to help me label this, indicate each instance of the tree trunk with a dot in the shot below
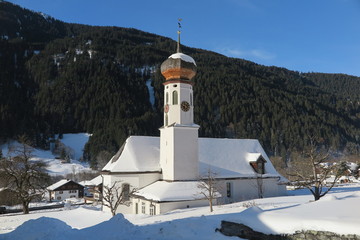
(211, 205)
(316, 193)
(25, 205)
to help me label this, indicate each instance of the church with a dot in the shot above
(165, 170)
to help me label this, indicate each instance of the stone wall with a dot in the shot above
(245, 232)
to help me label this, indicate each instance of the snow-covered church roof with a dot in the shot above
(228, 158)
(138, 154)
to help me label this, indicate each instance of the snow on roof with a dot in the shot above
(138, 154)
(86, 183)
(93, 182)
(183, 57)
(228, 158)
(163, 191)
(253, 157)
(58, 184)
(97, 180)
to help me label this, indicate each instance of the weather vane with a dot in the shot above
(178, 43)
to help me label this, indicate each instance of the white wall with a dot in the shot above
(169, 206)
(135, 180)
(161, 208)
(175, 114)
(179, 153)
(245, 189)
(186, 153)
(61, 195)
(241, 190)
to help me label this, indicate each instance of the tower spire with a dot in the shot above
(179, 32)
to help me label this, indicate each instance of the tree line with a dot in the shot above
(66, 78)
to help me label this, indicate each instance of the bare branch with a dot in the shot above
(25, 177)
(115, 195)
(311, 170)
(208, 187)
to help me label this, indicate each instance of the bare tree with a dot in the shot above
(27, 178)
(208, 187)
(115, 195)
(312, 169)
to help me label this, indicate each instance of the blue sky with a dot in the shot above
(301, 35)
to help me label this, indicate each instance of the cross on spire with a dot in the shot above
(179, 32)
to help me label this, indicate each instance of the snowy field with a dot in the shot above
(337, 212)
(74, 142)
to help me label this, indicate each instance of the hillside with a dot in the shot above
(61, 78)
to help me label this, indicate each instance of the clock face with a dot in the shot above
(185, 106)
(166, 108)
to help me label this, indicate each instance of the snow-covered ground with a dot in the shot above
(336, 212)
(151, 92)
(74, 142)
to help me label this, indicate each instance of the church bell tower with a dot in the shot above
(179, 135)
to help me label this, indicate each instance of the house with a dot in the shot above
(165, 170)
(93, 189)
(64, 189)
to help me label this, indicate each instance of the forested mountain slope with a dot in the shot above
(57, 77)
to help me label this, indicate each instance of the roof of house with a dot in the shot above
(228, 158)
(59, 184)
(93, 182)
(163, 191)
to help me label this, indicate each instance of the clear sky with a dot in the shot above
(302, 35)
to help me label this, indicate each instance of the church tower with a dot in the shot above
(179, 135)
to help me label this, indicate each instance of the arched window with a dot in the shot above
(167, 98)
(166, 120)
(126, 191)
(174, 98)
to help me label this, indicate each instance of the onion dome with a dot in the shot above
(178, 66)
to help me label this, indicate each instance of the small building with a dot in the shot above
(93, 189)
(64, 189)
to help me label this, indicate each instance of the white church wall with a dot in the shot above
(186, 153)
(274, 189)
(184, 93)
(142, 206)
(135, 181)
(148, 178)
(169, 206)
(174, 110)
(179, 153)
(245, 189)
(166, 153)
